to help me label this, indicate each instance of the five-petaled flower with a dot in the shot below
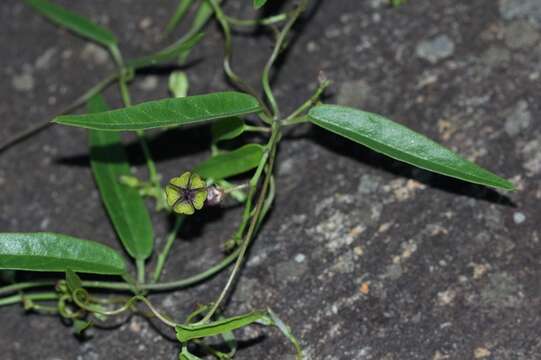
(186, 193)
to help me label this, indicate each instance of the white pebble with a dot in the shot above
(519, 218)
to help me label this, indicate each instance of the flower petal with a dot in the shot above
(182, 181)
(199, 199)
(184, 207)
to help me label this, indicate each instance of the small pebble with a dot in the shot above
(23, 82)
(300, 258)
(435, 49)
(519, 218)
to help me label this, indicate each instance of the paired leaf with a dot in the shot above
(57, 252)
(167, 112)
(259, 3)
(124, 205)
(169, 53)
(231, 163)
(400, 143)
(196, 331)
(74, 22)
(227, 129)
(181, 10)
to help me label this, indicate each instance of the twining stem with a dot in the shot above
(272, 146)
(25, 285)
(124, 286)
(126, 98)
(295, 118)
(261, 129)
(81, 100)
(167, 248)
(15, 299)
(228, 49)
(140, 265)
(271, 20)
(265, 77)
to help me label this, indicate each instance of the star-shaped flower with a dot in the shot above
(186, 193)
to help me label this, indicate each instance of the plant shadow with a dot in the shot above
(164, 145)
(346, 148)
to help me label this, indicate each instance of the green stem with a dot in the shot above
(140, 264)
(126, 98)
(295, 118)
(14, 299)
(165, 286)
(117, 56)
(261, 129)
(26, 285)
(271, 20)
(124, 286)
(165, 252)
(273, 144)
(265, 77)
(81, 100)
(235, 79)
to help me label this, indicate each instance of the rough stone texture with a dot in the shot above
(435, 49)
(364, 257)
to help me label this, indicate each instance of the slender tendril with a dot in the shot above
(271, 20)
(81, 100)
(272, 146)
(168, 244)
(278, 47)
(228, 50)
(295, 116)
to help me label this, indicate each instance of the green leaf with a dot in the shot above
(286, 331)
(259, 3)
(57, 252)
(231, 163)
(167, 54)
(167, 112)
(73, 281)
(74, 22)
(79, 326)
(227, 129)
(179, 84)
(202, 16)
(400, 143)
(181, 10)
(124, 205)
(196, 331)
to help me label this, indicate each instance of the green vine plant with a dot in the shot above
(231, 113)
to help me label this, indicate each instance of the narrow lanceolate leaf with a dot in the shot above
(124, 205)
(201, 17)
(74, 22)
(259, 3)
(57, 252)
(167, 112)
(181, 10)
(169, 53)
(400, 143)
(196, 331)
(227, 129)
(231, 163)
